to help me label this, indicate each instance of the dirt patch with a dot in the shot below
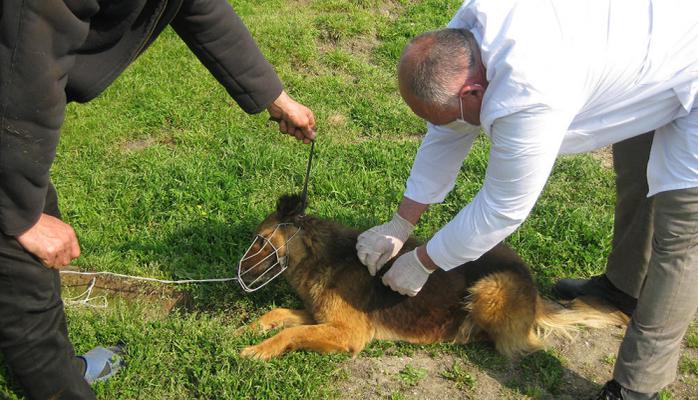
(385, 376)
(167, 297)
(337, 120)
(605, 156)
(142, 144)
(567, 370)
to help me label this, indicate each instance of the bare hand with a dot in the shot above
(294, 118)
(51, 240)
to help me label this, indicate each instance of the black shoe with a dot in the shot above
(599, 287)
(612, 390)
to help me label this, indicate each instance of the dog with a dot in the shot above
(492, 298)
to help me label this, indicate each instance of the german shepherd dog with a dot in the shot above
(493, 298)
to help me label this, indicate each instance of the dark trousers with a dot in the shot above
(33, 334)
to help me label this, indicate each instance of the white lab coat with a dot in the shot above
(565, 76)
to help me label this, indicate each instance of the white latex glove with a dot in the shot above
(379, 244)
(407, 275)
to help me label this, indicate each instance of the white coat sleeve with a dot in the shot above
(523, 151)
(438, 161)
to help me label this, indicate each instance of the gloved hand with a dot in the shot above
(379, 244)
(407, 275)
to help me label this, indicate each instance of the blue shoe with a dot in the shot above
(102, 363)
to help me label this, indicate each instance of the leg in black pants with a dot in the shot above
(33, 333)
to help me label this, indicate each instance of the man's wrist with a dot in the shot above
(402, 226)
(278, 104)
(411, 210)
(424, 258)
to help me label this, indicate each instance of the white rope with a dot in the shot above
(143, 278)
(85, 299)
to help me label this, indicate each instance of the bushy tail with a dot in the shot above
(562, 320)
(512, 314)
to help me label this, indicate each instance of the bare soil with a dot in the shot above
(605, 156)
(586, 364)
(166, 296)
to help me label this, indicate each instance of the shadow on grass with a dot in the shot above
(540, 375)
(203, 249)
(210, 250)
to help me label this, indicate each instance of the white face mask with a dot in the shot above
(460, 104)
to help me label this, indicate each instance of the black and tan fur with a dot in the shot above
(492, 298)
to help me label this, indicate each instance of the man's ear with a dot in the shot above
(471, 89)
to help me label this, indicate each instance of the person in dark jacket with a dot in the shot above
(54, 52)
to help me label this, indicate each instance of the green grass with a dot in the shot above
(411, 376)
(541, 372)
(460, 375)
(163, 176)
(688, 365)
(692, 337)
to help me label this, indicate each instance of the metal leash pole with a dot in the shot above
(304, 196)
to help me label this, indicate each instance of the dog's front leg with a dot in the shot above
(323, 338)
(281, 318)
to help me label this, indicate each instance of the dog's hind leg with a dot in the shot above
(468, 331)
(323, 338)
(281, 318)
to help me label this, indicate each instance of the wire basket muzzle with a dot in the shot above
(264, 262)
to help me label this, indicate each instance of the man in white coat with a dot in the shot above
(544, 78)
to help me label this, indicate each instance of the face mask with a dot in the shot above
(460, 104)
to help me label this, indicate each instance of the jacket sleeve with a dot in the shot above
(37, 43)
(218, 37)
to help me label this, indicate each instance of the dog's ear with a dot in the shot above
(289, 206)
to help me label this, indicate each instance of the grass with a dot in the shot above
(692, 337)
(460, 375)
(540, 372)
(163, 176)
(411, 375)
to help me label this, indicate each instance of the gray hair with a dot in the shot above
(433, 60)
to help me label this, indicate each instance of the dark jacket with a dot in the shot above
(53, 52)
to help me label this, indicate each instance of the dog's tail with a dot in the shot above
(562, 320)
(518, 320)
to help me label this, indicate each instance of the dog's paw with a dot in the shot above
(259, 352)
(241, 330)
(250, 328)
(257, 327)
